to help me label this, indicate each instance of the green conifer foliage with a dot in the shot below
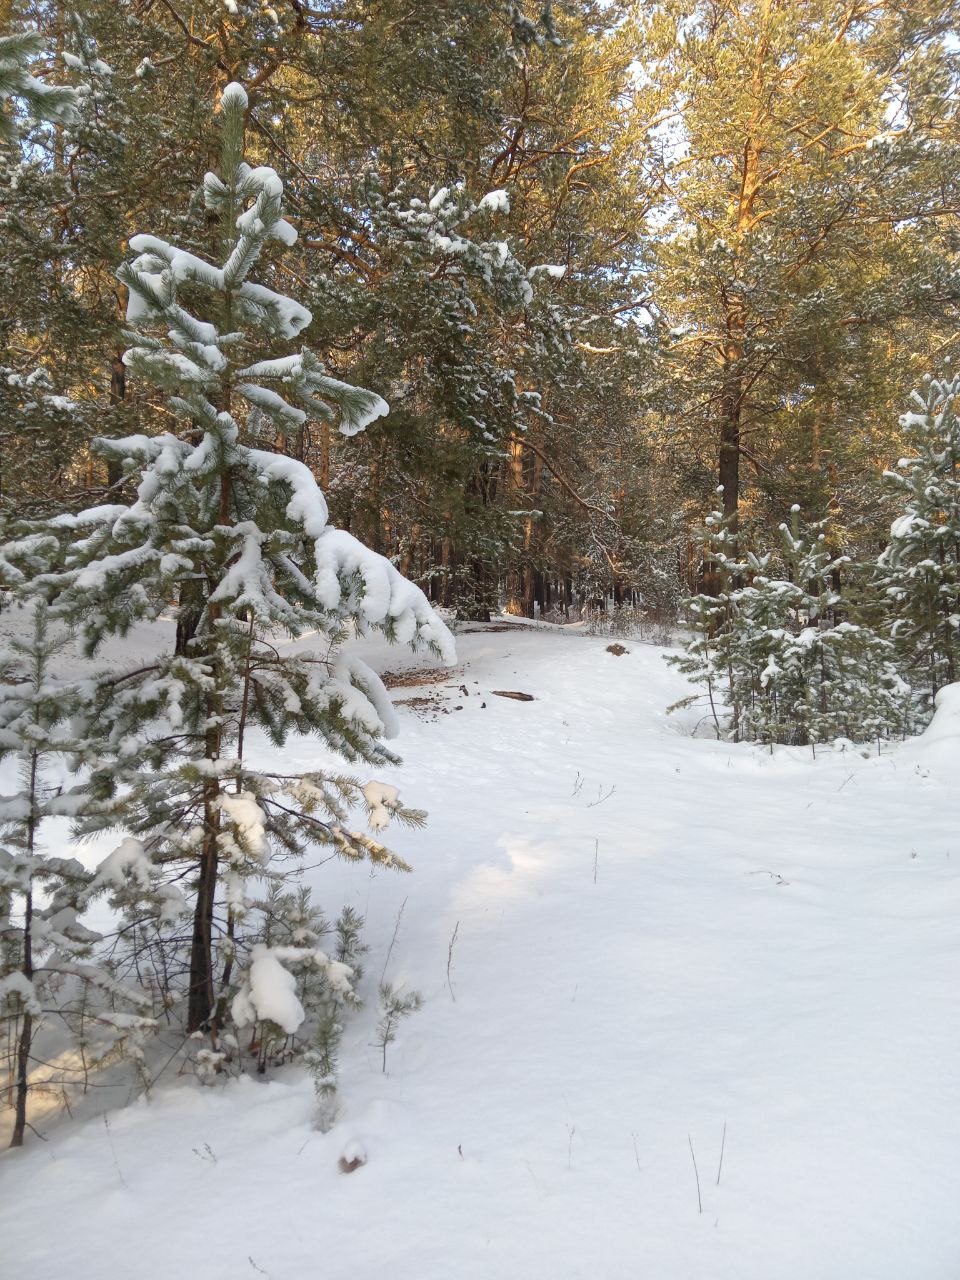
(777, 652)
(20, 88)
(235, 539)
(920, 568)
(48, 970)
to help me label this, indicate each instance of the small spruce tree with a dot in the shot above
(777, 651)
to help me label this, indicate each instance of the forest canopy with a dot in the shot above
(598, 258)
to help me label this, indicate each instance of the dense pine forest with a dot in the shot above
(600, 260)
(357, 356)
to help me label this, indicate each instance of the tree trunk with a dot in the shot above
(118, 393)
(324, 456)
(734, 369)
(409, 551)
(188, 614)
(26, 1036)
(528, 590)
(446, 564)
(728, 472)
(200, 1001)
(26, 1029)
(516, 605)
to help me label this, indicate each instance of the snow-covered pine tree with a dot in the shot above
(778, 642)
(237, 538)
(47, 966)
(834, 676)
(328, 1005)
(920, 567)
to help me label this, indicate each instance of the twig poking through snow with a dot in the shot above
(636, 1153)
(723, 1143)
(596, 857)
(601, 796)
(571, 1129)
(453, 938)
(106, 1125)
(396, 930)
(696, 1174)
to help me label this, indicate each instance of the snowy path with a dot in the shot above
(770, 944)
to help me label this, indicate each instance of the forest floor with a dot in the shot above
(665, 949)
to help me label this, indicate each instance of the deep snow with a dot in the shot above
(657, 936)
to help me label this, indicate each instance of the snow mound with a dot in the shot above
(945, 725)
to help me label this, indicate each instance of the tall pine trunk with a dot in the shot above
(25, 1042)
(200, 1003)
(735, 373)
(201, 999)
(26, 1036)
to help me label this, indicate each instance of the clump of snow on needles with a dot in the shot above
(270, 994)
(382, 800)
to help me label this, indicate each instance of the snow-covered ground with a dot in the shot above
(659, 939)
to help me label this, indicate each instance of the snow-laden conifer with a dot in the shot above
(920, 567)
(234, 540)
(777, 649)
